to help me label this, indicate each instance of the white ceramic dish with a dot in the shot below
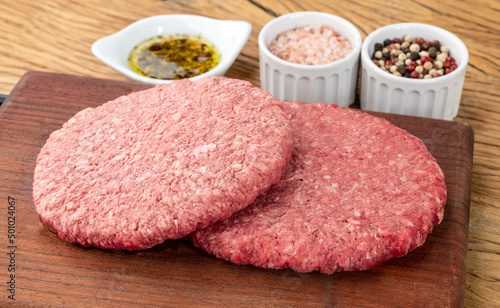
(228, 36)
(437, 98)
(332, 83)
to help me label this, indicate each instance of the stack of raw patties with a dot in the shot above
(246, 177)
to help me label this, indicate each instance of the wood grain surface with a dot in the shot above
(175, 273)
(56, 35)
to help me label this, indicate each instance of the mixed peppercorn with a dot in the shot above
(414, 58)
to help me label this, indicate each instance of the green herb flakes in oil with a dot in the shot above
(173, 57)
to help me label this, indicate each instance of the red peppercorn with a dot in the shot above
(447, 70)
(429, 42)
(388, 63)
(398, 40)
(437, 42)
(391, 47)
(437, 75)
(414, 74)
(394, 60)
(450, 59)
(410, 68)
(375, 61)
(419, 41)
(414, 63)
(425, 59)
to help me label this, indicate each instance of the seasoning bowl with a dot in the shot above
(227, 36)
(437, 98)
(331, 83)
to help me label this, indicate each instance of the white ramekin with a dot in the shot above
(332, 83)
(227, 36)
(437, 98)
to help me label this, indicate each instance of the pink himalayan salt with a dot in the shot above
(311, 45)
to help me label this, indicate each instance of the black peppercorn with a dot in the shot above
(406, 50)
(378, 46)
(386, 55)
(387, 42)
(415, 56)
(402, 69)
(432, 52)
(436, 45)
(424, 46)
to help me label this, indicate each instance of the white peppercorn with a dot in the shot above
(409, 38)
(442, 57)
(414, 48)
(445, 49)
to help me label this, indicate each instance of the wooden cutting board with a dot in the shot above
(49, 271)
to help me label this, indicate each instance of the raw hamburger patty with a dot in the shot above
(157, 164)
(357, 191)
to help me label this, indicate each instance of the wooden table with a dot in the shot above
(56, 35)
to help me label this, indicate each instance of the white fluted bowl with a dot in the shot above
(332, 83)
(437, 98)
(227, 36)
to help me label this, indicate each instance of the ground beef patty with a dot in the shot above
(357, 191)
(157, 164)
